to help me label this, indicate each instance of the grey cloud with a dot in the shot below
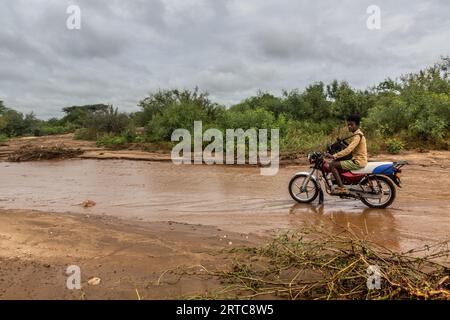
(290, 46)
(231, 48)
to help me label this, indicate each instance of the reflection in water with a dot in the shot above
(372, 224)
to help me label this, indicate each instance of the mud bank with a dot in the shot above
(131, 259)
(438, 159)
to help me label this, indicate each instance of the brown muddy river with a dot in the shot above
(230, 197)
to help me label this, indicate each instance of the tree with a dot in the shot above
(433, 79)
(263, 100)
(108, 120)
(316, 103)
(175, 116)
(347, 101)
(2, 107)
(157, 102)
(77, 115)
(12, 123)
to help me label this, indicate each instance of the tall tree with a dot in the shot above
(2, 107)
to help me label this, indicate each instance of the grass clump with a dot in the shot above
(315, 265)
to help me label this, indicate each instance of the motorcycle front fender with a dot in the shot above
(313, 177)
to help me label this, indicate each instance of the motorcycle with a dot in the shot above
(373, 185)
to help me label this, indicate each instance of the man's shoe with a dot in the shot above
(339, 190)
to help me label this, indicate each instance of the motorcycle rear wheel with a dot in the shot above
(387, 188)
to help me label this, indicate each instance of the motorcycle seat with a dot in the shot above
(376, 168)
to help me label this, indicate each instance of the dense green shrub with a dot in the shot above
(77, 115)
(390, 115)
(156, 103)
(305, 136)
(175, 116)
(394, 145)
(47, 130)
(418, 109)
(246, 119)
(111, 141)
(105, 121)
(85, 134)
(15, 124)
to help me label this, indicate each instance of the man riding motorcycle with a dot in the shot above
(358, 151)
(349, 175)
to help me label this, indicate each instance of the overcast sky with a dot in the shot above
(230, 48)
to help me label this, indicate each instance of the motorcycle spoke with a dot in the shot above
(302, 191)
(383, 191)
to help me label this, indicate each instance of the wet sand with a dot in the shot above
(150, 217)
(132, 260)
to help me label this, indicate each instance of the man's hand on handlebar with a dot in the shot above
(328, 156)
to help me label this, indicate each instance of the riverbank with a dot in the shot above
(424, 158)
(131, 258)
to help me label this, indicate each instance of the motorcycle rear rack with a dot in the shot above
(399, 164)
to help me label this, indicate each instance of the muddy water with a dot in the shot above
(229, 197)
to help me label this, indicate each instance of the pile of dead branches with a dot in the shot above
(316, 265)
(33, 152)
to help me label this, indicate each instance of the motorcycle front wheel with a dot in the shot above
(306, 195)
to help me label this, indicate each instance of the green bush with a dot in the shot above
(262, 100)
(78, 115)
(394, 145)
(432, 121)
(175, 116)
(250, 118)
(111, 141)
(157, 104)
(3, 138)
(139, 139)
(389, 116)
(85, 134)
(47, 130)
(304, 136)
(15, 124)
(107, 121)
(129, 134)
